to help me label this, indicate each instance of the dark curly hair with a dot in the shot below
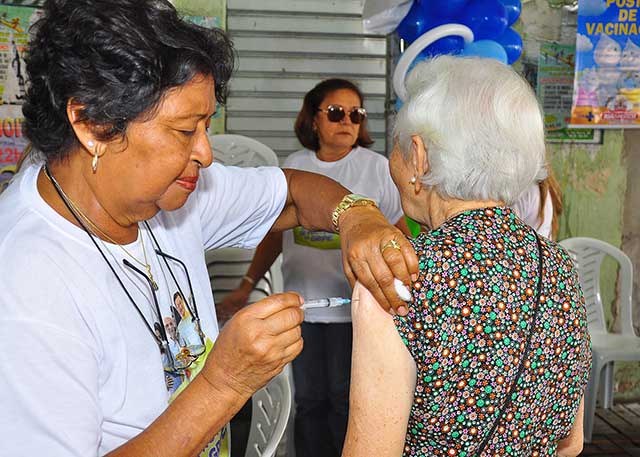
(312, 100)
(116, 59)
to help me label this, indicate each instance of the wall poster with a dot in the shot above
(607, 75)
(14, 39)
(556, 67)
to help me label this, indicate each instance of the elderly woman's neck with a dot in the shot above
(441, 209)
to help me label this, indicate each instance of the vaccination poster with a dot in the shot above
(14, 39)
(607, 77)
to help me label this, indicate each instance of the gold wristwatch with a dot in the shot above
(349, 201)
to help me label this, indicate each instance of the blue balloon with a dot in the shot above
(512, 43)
(486, 18)
(414, 24)
(514, 8)
(447, 45)
(443, 8)
(485, 48)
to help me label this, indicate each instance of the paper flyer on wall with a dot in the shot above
(556, 70)
(14, 39)
(607, 76)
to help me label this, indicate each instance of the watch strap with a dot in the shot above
(347, 202)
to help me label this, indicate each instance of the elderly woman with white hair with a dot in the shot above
(494, 354)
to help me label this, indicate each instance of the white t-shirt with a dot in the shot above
(527, 208)
(312, 261)
(81, 373)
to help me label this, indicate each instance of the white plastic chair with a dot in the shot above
(607, 347)
(242, 151)
(227, 267)
(271, 405)
(270, 409)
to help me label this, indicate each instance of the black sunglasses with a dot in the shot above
(335, 113)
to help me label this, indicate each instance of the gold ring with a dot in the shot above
(393, 244)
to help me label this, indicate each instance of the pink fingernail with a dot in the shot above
(403, 311)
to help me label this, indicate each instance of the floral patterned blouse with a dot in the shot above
(467, 328)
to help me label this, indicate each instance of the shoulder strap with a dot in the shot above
(525, 353)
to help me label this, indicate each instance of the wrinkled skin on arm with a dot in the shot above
(383, 378)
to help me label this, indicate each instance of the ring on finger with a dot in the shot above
(392, 243)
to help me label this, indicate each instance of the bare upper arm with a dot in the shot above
(383, 377)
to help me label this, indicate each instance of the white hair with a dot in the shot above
(481, 124)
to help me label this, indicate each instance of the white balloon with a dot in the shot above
(417, 46)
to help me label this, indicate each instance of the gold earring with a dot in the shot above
(413, 180)
(94, 162)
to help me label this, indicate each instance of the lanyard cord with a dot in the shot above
(194, 311)
(525, 353)
(161, 342)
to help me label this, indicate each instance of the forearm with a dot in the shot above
(188, 424)
(314, 200)
(266, 253)
(310, 202)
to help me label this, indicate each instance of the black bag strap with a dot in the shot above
(525, 353)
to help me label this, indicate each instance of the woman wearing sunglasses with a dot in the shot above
(332, 127)
(103, 232)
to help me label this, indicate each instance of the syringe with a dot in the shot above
(330, 302)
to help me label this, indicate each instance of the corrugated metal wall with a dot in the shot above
(285, 47)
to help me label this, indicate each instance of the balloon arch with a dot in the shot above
(463, 27)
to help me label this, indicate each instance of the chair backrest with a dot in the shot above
(242, 151)
(270, 409)
(588, 254)
(227, 266)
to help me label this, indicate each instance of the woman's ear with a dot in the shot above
(419, 160)
(80, 127)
